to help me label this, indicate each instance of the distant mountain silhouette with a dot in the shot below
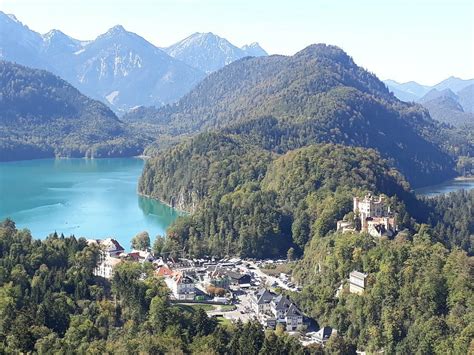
(209, 52)
(412, 91)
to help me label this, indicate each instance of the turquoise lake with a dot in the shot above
(88, 198)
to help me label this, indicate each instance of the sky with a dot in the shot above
(421, 40)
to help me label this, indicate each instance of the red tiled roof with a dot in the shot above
(164, 271)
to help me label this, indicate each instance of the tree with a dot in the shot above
(141, 241)
(290, 255)
(158, 245)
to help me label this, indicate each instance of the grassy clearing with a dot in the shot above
(275, 270)
(224, 322)
(194, 307)
(228, 307)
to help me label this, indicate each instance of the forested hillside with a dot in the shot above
(318, 95)
(43, 116)
(246, 201)
(418, 298)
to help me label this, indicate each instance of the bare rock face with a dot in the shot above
(185, 201)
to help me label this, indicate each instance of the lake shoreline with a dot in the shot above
(448, 186)
(140, 156)
(163, 202)
(95, 198)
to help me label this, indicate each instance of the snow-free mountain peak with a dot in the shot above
(254, 50)
(413, 91)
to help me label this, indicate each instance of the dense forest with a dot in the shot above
(42, 116)
(50, 303)
(248, 202)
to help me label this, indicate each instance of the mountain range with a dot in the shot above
(319, 95)
(413, 91)
(446, 106)
(450, 101)
(119, 67)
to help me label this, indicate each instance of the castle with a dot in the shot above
(375, 217)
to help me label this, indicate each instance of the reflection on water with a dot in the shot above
(446, 187)
(151, 207)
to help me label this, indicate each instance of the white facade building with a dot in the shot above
(109, 256)
(375, 217)
(106, 267)
(183, 287)
(357, 282)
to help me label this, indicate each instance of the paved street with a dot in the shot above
(266, 278)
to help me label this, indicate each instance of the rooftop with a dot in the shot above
(358, 274)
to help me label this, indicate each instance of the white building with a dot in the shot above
(106, 267)
(272, 310)
(109, 246)
(357, 282)
(293, 318)
(261, 301)
(320, 337)
(182, 286)
(370, 206)
(109, 256)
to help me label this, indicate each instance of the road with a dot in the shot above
(270, 279)
(243, 310)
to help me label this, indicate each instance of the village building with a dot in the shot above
(216, 277)
(105, 268)
(224, 278)
(182, 286)
(272, 310)
(109, 258)
(164, 271)
(323, 334)
(261, 301)
(140, 256)
(108, 246)
(238, 279)
(357, 282)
